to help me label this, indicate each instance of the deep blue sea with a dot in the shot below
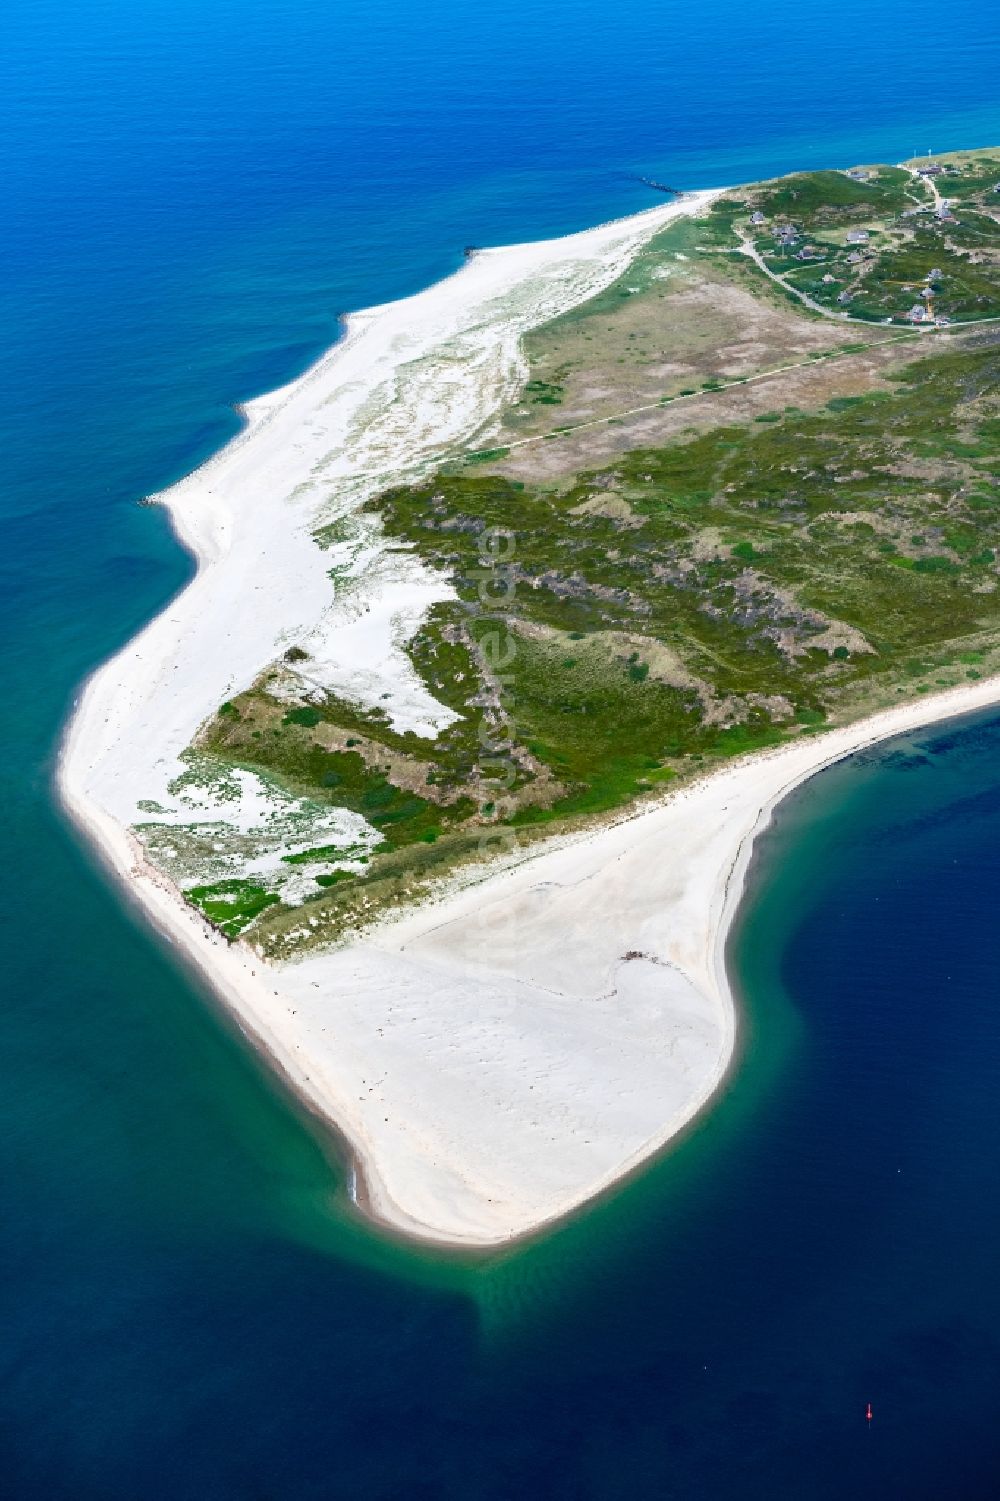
(191, 194)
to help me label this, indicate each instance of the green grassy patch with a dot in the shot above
(231, 905)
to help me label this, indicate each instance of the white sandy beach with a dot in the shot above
(499, 1057)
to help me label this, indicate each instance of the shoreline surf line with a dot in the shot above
(488, 1079)
(119, 716)
(749, 792)
(226, 971)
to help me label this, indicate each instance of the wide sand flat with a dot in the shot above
(495, 1059)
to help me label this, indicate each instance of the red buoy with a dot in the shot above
(868, 1414)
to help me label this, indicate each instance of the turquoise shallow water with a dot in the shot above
(192, 195)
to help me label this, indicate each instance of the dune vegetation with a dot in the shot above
(716, 518)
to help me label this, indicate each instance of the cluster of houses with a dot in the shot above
(934, 170)
(923, 311)
(942, 212)
(787, 236)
